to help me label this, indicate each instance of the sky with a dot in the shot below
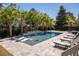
(50, 8)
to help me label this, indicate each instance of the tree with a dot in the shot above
(71, 15)
(64, 19)
(23, 17)
(76, 24)
(78, 16)
(33, 10)
(61, 18)
(33, 14)
(70, 20)
(11, 17)
(1, 5)
(12, 5)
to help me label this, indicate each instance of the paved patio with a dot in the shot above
(45, 48)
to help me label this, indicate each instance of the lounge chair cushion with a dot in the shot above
(70, 37)
(62, 44)
(66, 39)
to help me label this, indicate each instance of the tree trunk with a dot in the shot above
(10, 27)
(21, 29)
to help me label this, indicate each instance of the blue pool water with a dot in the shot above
(40, 36)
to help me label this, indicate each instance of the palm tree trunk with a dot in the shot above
(10, 28)
(21, 28)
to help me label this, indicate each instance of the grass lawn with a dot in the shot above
(4, 52)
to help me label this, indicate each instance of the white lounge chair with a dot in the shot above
(25, 39)
(20, 38)
(66, 39)
(71, 35)
(69, 38)
(62, 44)
(66, 44)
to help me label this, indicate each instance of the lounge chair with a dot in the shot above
(25, 39)
(20, 38)
(62, 44)
(72, 35)
(69, 38)
(66, 44)
(66, 39)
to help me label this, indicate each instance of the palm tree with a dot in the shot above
(11, 14)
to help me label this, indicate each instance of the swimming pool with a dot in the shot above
(36, 37)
